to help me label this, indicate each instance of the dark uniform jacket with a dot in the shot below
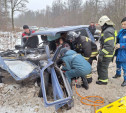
(107, 42)
(86, 47)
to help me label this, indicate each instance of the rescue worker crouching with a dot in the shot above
(107, 51)
(84, 46)
(74, 65)
(29, 42)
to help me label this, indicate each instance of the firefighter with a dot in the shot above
(107, 51)
(85, 47)
(121, 52)
(29, 42)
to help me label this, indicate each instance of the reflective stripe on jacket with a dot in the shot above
(108, 41)
(86, 47)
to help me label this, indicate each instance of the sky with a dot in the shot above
(38, 4)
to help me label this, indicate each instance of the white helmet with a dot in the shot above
(105, 19)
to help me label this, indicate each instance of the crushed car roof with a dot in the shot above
(54, 31)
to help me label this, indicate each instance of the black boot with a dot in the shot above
(85, 83)
(123, 84)
(89, 80)
(1, 79)
(101, 83)
(116, 76)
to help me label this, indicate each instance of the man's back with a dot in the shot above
(76, 61)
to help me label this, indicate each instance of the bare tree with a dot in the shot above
(17, 5)
(75, 12)
(4, 14)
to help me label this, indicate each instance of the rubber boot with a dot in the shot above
(1, 79)
(123, 84)
(101, 83)
(116, 76)
(85, 83)
(89, 80)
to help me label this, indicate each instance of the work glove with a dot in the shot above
(117, 46)
(100, 58)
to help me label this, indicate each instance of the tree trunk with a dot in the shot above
(5, 2)
(12, 19)
(124, 7)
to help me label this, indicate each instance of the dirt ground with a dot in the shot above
(15, 98)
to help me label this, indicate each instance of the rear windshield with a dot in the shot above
(83, 32)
